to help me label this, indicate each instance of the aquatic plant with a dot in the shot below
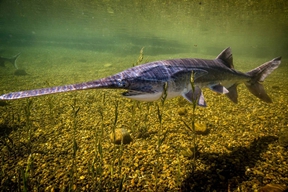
(194, 104)
(100, 110)
(192, 127)
(160, 135)
(133, 118)
(140, 129)
(27, 173)
(104, 98)
(75, 111)
(117, 152)
(116, 104)
(12, 115)
(6, 127)
(96, 166)
(2, 171)
(50, 101)
(27, 110)
(115, 119)
(122, 180)
(8, 117)
(134, 102)
(179, 173)
(75, 148)
(113, 136)
(143, 130)
(140, 58)
(10, 146)
(120, 161)
(18, 117)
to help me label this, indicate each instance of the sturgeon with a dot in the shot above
(147, 82)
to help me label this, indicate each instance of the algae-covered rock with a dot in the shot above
(187, 152)
(283, 137)
(119, 135)
(182, 111)
(201, 129)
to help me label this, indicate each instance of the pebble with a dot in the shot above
(201, 129)
(119, 135)
(182, 111)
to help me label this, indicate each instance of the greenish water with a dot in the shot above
(251, 28)
(64, 42)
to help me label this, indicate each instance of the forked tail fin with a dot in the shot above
(13, 60)
(258, 75)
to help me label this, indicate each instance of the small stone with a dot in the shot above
(201, 129)
(186, 152)
(182, 111)
(119, 135)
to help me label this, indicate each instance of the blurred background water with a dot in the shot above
(251, 28)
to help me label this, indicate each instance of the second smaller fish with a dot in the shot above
(10, 60)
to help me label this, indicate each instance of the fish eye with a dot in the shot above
(123, 83)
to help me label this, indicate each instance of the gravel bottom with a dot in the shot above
(46, 146)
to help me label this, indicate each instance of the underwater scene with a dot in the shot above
(105, 139)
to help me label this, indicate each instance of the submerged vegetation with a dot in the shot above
(61, 142)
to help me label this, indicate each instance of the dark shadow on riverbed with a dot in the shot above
(227, 170)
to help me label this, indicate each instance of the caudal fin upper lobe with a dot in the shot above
(257, 77)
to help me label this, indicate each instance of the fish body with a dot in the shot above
(10, 60)
(149, 81)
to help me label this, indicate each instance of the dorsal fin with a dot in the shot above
(226, 56)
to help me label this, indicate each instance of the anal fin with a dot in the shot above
(233, 95)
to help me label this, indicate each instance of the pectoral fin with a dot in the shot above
(219, 89)
(196, 95)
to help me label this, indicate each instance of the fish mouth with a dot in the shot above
(142, 95)
(132, 93)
